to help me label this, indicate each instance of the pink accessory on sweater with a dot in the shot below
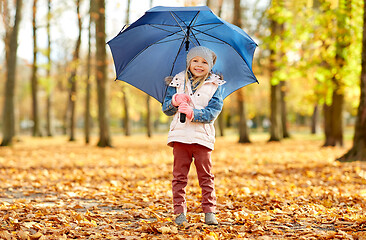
(180, 98)
(186, 109)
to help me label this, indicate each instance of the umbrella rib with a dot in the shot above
(206, 24)
(156, 26)
(224, 43)
(194, 28)
(218, 25)
(194, 19)
(171, 13)
(159, 24)
(182, 43)
(172, 33)
(205, 40)
(172, 40)
(142, 52)
(179, 32)
(186, 34)
(194, 42)
(190, 39)
(175, 59)
(160, 28)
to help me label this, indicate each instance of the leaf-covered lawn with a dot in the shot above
(54, 189)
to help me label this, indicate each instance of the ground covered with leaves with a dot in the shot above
(55, 189)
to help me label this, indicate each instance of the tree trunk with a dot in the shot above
(314, 120)
(72, 78)
(127, 19)
(283, 90)
(87, 117)
(221, 123)
(334, 136)
(126, 115)
(327, 124)
(276, 131)
(316, 4)
(243, 127)
(49, 126)
(148, 117)
(101, 76)
(11, 47)
(333, 121)
(49, 117)
(237, 13)
(125, 102)
(208, 3)
(221, 117)
(148, 107)
(276, 123)
(219, 13)
(283, 87)
(358, 150)
(66, 115)
(34, 78)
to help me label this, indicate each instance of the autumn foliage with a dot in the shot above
(54, 189)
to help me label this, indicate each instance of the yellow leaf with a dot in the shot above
(212, 235)
(23, 235)
(165, 230)
(209, 237)
(36, 236)
(264, 218)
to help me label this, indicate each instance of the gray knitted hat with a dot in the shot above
(203, 52)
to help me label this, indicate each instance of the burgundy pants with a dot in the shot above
(183, 155)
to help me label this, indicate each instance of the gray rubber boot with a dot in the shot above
(210, 219)
(180, 219)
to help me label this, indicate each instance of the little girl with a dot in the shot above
(195, 92)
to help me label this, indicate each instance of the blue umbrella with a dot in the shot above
(156, 46)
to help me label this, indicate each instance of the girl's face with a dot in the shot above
(199, 66)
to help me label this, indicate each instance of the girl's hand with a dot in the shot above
(186, 109)
(180, 98)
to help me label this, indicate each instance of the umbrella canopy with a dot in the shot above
(156, 46)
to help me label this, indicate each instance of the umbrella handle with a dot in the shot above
(182, 117)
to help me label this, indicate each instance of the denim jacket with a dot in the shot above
(206, 115)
